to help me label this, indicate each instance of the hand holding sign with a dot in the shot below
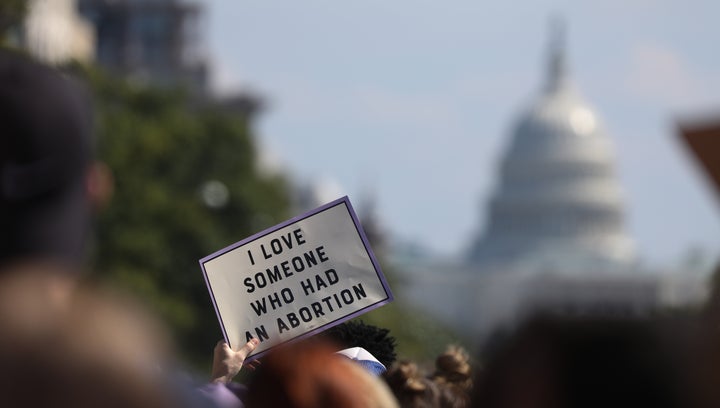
(228, 362)
(295, 279)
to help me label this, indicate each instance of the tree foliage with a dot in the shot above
(12, 13)
(162, 149)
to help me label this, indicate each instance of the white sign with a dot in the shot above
(295, 279)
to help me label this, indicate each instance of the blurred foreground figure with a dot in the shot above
(95, 351)
(45, 164)
(448, 387)
(61, 345)
(48, 181)
(568, 363)
(311, 375)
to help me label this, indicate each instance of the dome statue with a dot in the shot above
(557, 204)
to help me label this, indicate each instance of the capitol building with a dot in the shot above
(555, 239)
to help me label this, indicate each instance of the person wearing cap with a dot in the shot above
(45, 171)
(45, 167)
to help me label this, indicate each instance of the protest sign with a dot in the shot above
(295, 279)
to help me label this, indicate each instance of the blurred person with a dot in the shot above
(311, 375)
(448, 387)
(411, 388)
(94, 345)
(592, 362)
(59, 345)
(97, 350)
(705, 355)
(49, 185)
(45, 164)
(453, 368)
(48, 180)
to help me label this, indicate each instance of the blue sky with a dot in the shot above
(416, 99)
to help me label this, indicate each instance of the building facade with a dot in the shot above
(557, 202)
(555, 239)
(153, 41)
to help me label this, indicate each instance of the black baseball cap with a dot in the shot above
(45, 152)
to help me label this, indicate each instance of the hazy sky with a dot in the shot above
(416, 99)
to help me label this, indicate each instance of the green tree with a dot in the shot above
(186, 185)
(12, 13)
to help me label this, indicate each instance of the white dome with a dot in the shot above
(557, 198)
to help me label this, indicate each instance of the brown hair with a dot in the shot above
(310, 375)
(448, 387)
(453, 367)
(411, 388)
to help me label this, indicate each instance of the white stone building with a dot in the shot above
(555, 239)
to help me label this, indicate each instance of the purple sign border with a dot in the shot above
(343, 200)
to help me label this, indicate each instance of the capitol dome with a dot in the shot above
(558, 203)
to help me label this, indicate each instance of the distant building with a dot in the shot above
(54, 33)
(557, 202)
(160, 42)
(154, 41)
(555, 239)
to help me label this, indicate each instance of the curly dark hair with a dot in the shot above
(377, 341)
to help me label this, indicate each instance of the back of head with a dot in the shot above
(598, 362)
(453, 368)
(311, 375)
(45, 150)
(413, 389)
(96, 350)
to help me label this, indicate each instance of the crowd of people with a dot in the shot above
(66, 344)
